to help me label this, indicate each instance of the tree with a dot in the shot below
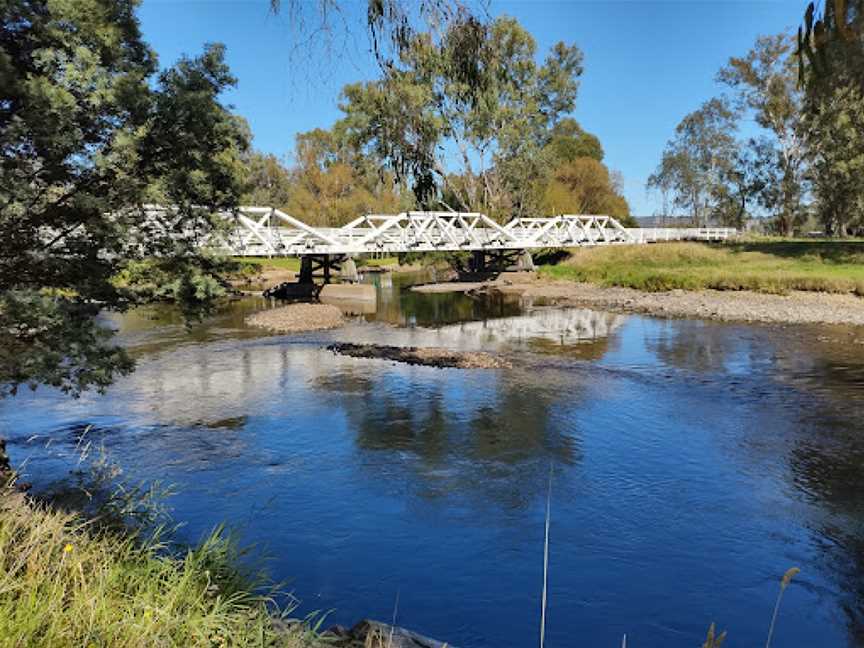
(836, 143)
(831, 60)
(474, 96)
(697, 161)
(88, 136)
(585, 186)
(831, 47)
(764, 86)
(391, 25)
(567, 141)
(333, 183)
(268, 182)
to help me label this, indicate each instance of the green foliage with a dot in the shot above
(831, 59)
(55, 341)
(831, 47)
(765, 88)
(770, 267)
(584, 186)
(268, 182)
(836, 136)
(65, 582)
(567, 141)
(334, 183)
(87, 136)
(697, 161)
(474, 89)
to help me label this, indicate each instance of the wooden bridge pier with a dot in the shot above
(500, 260)
(327, 263)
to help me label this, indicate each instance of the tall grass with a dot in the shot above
(66, 582)
(771, 267)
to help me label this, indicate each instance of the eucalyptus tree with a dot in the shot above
(698, 160)
(830, 48)
(764, 87)
(831, 59)
(467, 112)
(90, 132)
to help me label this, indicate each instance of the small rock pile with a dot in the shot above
(427, 356)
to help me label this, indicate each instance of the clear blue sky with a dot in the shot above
(647, 64)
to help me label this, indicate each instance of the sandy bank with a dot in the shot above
(797, 307)
(297, 317)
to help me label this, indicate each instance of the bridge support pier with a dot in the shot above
(500, 260)
(310, 263)
(525, 262)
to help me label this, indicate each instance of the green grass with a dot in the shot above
(771, 266)
(293, 263)
(65, 582)
(275, 263)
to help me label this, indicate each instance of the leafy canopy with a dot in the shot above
(88, 134)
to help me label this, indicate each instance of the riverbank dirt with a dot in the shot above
(296, 318)
(796, 307)
(426, 356)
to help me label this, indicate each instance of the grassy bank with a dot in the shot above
(64, 582)
(774, 266)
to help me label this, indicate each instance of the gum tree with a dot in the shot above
(764, 87)
(467, 112)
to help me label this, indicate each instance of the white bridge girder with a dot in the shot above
(267, 231)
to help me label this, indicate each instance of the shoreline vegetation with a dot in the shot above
(69, 579)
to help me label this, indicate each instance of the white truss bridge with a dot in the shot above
(266, 231)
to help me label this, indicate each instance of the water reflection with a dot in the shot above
(494, 441)
(692, 462)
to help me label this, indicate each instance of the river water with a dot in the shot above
(691, 464)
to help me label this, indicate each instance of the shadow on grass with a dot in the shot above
(827, 251)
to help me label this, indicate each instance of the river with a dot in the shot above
(691, 464)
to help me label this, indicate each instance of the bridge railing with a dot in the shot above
(659, 234)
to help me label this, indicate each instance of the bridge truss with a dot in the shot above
(266, 231)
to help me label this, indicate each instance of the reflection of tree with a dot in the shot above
(499, 449)
(827, 362)
(694, 346)
(827, 463)
(827, 469)
(398, 304)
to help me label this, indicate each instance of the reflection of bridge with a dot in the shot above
(562, 326)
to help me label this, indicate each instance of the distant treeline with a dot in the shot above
(803, 168)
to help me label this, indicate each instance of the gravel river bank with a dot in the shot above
(797, 307)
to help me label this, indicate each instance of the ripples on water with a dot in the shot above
(693, 464)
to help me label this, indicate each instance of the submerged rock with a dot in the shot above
(427, 356)
(374, 634)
